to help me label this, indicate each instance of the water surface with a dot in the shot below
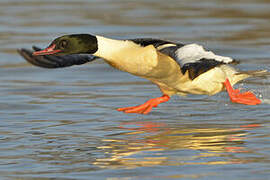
(62, 124)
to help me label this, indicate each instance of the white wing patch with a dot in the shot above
(193, 52)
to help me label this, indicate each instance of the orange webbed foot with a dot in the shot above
(247, 98)
(146, 107)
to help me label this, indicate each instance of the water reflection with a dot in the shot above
(60, 124)
(147, 144)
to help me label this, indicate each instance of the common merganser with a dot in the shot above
(174, 67)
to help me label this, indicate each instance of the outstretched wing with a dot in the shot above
(51, 61)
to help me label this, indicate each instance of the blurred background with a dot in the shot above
(62, 123)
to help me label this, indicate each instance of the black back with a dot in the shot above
(155, 42)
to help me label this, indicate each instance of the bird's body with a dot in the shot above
(169, 65)
(174, 67)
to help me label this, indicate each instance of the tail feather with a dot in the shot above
(254, 73)
(241, 75)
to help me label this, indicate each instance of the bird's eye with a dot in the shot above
(63, 44)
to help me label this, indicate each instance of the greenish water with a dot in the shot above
(62, 124)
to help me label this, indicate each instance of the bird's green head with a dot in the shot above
(71, 44)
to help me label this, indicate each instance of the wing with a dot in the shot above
(192, 58)
(51, 61)
(195, 59)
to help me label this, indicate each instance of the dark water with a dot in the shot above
(62, 124)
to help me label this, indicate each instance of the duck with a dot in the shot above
(176, 68)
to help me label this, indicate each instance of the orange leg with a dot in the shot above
(247, 98)
(147, 106)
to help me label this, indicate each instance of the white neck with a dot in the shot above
(110, 48)
(127, 55)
